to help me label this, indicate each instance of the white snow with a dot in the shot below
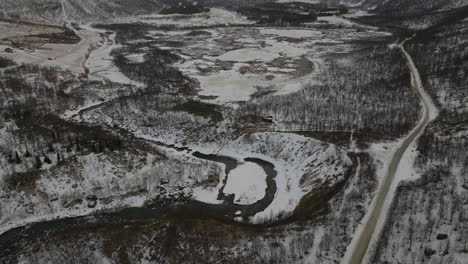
(405, 166)
(429, 107)
(301, 1)
(292, 33)
(302, 164)
(382, 153)
(167, 33)
(232, 86)
(216, 16)
(291, 88)
(406, 170)
(284, 49)
(337, 20)
(134, 201)
(136, 58)
(66, 56)
(227, 85)
(207, 195)
(101, 63)
(72, 114)
(74, 57)
(249, 54)
(353, 13)
(247, 183)
(259, 50)
(318, 236)
(293, 157)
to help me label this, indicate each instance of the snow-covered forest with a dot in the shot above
(233, 132)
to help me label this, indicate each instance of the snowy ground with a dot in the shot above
(300, 1)
(247, 183)
(92, 53)
(402, 171)
(8, 30)
(232, 64)
(253, 63)
(216, 16)
(64, 189)
(100, 62)
(66, 56)
(302, 164)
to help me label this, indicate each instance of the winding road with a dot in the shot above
(377, 211)
(228, 209)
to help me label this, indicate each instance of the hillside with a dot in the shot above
(413, 7)
(59, 10)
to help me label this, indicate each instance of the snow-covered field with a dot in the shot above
(233, 64)
(66, 56)
(157, 130)
(8, 30)
(92, 52)
(216, 16)
(100, 61)
(271, 65)
(247, 182)
(299, 1)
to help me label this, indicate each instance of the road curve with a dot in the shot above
(377, 210)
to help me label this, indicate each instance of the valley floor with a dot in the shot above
(211, 138)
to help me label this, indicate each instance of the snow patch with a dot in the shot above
(292, 33)
(247, 183)
(249, 54)
(207, 195)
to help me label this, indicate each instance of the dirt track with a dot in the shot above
(377, 210)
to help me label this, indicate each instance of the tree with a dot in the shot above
(51, 148)
(17, 158)
(38, 162)
(78, 148)
(47, 160)
(27, 154)
(10, 157)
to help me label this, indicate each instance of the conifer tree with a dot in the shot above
(17, 158)
(38, 162)
(47, 160)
